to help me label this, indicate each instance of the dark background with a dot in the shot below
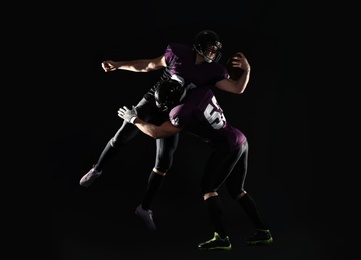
(99, 222)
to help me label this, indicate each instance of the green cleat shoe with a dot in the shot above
(216, 243)
(260, 238)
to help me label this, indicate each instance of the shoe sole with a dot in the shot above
(216, 249)
(260, 242)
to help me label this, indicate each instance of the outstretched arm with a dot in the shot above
(142, 65)
(239, 61)
(164, 130)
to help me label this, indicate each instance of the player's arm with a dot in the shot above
(239, 62)
(164, 130)
(141, 65)
(154, 131)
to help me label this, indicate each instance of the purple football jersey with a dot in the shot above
(200, 114)
(180, 60)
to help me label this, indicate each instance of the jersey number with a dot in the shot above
(215, 118)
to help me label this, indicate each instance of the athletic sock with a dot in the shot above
(214, 207)
(249, 206)
(154, 183)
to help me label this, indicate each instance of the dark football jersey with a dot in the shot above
(180, 60)
(200, 114)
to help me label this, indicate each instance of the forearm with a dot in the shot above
(150, 129)
(239, 71)
(242, 82)
(143, 65)
(235, 86)
(164, 130)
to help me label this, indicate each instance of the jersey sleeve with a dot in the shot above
(168, 54)
(171, 53)
(180, 116)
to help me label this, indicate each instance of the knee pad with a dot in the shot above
(115, 143)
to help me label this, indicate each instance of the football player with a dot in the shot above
(196, 110)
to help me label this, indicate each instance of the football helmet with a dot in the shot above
(207, 44)
(168, 94)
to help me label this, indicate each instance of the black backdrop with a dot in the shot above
(98, 222)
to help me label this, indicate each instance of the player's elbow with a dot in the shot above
(160, 134)
(155, 134)
(237, 91)
(240, 89)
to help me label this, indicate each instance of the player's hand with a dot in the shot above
(127, 114)
(109, 65)
(238, 60)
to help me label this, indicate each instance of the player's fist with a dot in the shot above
(236, 65)
(108, 65)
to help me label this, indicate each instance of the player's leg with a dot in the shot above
(217, 169)
(165, 148)
(124, 134)
(235, 185)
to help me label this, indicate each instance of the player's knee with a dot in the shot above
(240, 195)
(115, 143)
(209, 195)
(161, 172)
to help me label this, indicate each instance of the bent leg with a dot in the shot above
(124, 134)
(165, 148)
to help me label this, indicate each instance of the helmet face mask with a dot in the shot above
(168, 94)
(162, 104)
(207, 45)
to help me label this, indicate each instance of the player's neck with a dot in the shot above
(199, 59)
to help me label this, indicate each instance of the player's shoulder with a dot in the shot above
(181, 111)
(198, 93)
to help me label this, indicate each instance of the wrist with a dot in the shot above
(132, 119)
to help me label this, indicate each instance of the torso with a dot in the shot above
(201, 114)
(181, 61)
